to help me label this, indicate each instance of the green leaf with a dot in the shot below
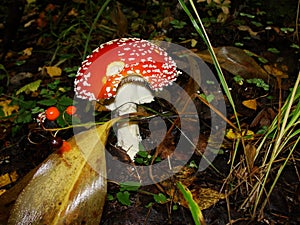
(193, 206)
(1, 112)
(143, 154)
(25, 104)
(247, 15)
(160, 198)
(274, 50)
(110, 197)
(129, 186)
(123, 198)
(54, 84)
(48, 102)
(31, 87)
(65, 101)
(295, 46)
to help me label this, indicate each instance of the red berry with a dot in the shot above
(52, 113)
(56, 142)
(71, 110)
(65, 147)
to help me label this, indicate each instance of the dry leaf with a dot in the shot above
(250, 152)
(53, 71)
(27, 51)
(8, 178)
(248, 29)
(8, 109)
(247, 134)
(275, 71)
(205, 197)
(251, 104)
(237, 62)
(66, 189)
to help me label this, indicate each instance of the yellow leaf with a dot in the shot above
(66, 188)
(251, 104)
(246, 134)
(27, 51)
(8, 178)
(8, 109)
(53, 71)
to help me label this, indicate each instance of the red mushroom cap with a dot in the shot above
(102, 71)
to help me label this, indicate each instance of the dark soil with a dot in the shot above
(23, 146)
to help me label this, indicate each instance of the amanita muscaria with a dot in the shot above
(127, 69)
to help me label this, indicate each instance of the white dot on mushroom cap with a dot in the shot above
(86, 84)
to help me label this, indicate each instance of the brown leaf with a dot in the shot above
(204, 197)
(264, 117)
(248, 29)
(120, 20)
(237, 62)
(250, 152)
(66, 189)
(275, 71)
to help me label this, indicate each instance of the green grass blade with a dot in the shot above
(201, 31)
(93, 26)
(193, 206)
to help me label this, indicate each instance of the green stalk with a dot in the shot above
(93, 27)
(193, 206)
(201, 31)
(280, 142)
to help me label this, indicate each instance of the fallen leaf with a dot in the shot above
(8, 178)
(250, 104)
(248, 29)
(246, 134)
(264, 117)
(204, 197)
(275, 71)
(31, 87)
(66, 188)
(27, 51)
(250, 152)
(237, 62)
(8, 109)
(53, 71)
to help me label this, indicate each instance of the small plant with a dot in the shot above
(144, 158)
(177, 24)
(260, 83)
(123, 196)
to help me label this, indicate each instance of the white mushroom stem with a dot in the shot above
(126, 100)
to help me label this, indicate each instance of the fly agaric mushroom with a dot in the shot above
(127, 69)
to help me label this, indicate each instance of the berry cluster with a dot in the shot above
(51, 114)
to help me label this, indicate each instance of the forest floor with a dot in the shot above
(44, 42)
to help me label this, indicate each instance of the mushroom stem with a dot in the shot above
(126, 100)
